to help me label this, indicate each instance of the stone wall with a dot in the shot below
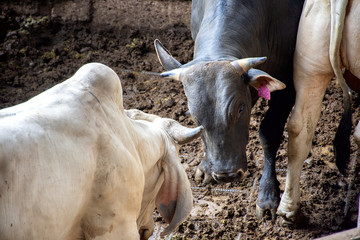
(103, 13)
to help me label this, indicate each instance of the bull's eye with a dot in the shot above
(243, 77)
(236, 113)
(241, 108)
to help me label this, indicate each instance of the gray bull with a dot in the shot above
(231, 37)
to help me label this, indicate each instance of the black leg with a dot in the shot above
(271, 132)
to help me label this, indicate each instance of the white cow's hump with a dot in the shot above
(69, 104)
(100, 77)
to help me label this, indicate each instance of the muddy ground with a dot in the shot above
(43, 43)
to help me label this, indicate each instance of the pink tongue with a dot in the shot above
(264, 92)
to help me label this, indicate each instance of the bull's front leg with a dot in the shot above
(268, 192)
(271, 132)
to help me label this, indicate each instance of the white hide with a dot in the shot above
(312, 73)
(74, 166)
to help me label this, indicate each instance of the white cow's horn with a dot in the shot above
(180, 133)
(246, 63)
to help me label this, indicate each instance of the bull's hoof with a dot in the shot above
(293, 220)
(268, 199)
(265, 213)
(201, 177)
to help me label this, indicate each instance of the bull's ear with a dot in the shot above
(165, 58)
(264, 83)
(174, 200)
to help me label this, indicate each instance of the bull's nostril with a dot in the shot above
(242, 175)
(215, 177)
(239, 174)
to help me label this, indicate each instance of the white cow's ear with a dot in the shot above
(136, 114)
(174, 200)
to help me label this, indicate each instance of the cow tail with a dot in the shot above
(342, 137)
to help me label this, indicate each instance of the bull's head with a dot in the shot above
(220, 97)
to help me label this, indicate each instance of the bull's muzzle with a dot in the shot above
(228, 177)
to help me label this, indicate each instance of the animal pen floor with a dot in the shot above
(44, 42)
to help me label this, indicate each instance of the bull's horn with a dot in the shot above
(180, 133)
(174, 74)
(246, 63)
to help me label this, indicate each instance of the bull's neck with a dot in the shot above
(215, 45)
(226, 32)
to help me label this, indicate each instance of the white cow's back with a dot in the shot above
(49, 155)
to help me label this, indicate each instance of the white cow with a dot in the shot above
(328, 40)
(74, 165)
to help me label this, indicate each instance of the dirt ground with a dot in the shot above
(43, 43)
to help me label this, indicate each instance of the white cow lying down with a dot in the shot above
(75, 165)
